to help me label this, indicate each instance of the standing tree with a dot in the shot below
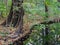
(15, 19)
(15, 15)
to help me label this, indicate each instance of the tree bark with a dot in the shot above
(19, 22)
(15, 17)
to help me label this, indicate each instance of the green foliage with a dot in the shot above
(53, 11)
(34, 7)
(53, 7)
(36, 36)
(4, 7)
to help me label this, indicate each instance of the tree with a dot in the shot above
(15, 15)
(15, 19)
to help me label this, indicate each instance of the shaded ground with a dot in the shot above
(28, 22)
(8, 31)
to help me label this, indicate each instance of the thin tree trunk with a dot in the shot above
(46, 30)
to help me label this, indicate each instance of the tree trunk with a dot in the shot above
(46, 30)
(15, 17)
(17, 20)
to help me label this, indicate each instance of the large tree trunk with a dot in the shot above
(17, 19)
(14, 17)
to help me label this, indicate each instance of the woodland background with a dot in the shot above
(34, 14)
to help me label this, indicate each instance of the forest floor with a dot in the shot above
(27, 24)
(1, 20)
(4, 31)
